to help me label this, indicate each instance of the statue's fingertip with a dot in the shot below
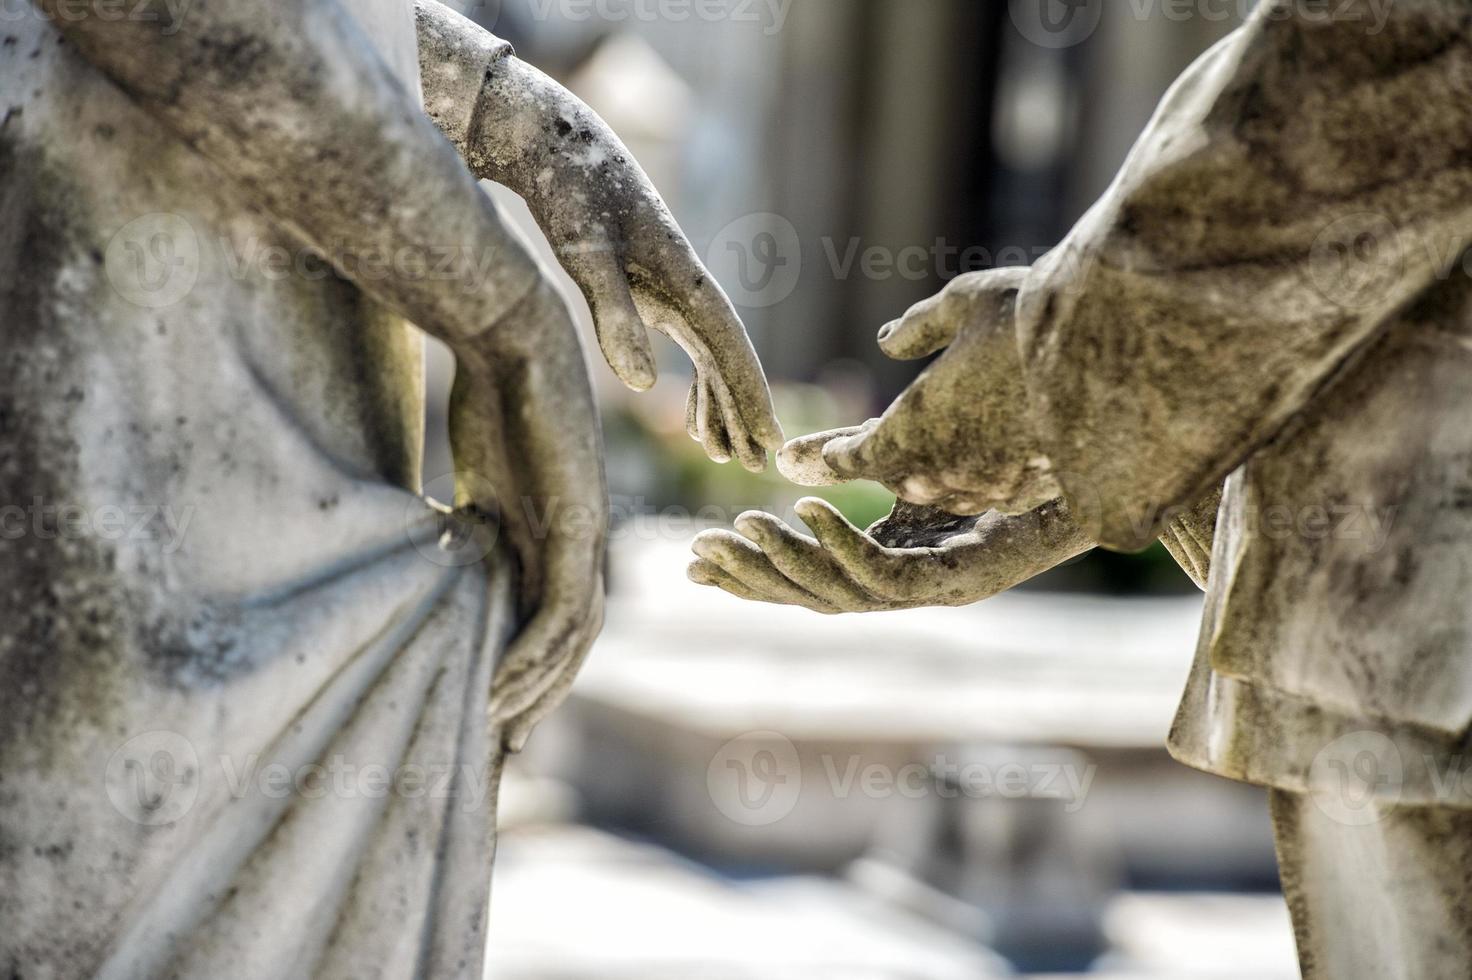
(812, 507)
(641, 375)
(751, 526)
(770, 435)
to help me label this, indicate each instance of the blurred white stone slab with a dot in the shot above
(1202, 937)
(572, 903)
(1024, 667)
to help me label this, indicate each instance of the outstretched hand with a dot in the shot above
(620, 244)
(959, 438)
(915, 557)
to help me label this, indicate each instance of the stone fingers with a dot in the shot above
(738, 566)
(622, 336)
(803, 561)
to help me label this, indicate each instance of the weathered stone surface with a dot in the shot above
(233, 627)
(1274, 294)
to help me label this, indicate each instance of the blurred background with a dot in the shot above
(756, 792)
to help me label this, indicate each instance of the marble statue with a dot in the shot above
(254, 689)
(1257, 347)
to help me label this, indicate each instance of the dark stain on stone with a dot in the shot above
(58, 597)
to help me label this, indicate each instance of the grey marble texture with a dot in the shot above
(254, 688)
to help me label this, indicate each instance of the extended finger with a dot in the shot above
(744, 561)
(621, 330)
(926, 327)
(865, 455)
(702, 571)
(710, 425)
(705, 323)
(862, 558)
(802, 462)
(803, 561)
(743, 444)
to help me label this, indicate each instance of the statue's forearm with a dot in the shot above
(520, 128)
(287, 99)
(456, 59)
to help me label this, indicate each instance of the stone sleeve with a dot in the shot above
(455, 57)
(1305, 180)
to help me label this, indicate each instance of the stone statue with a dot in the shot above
(245, 668)
(1257, 347)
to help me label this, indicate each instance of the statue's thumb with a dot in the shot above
(919, 333)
